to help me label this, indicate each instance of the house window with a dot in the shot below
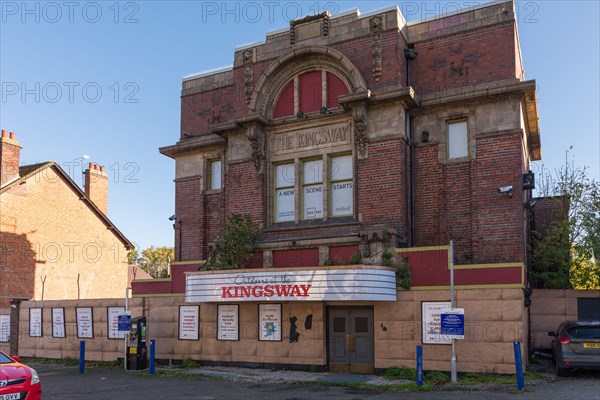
(341, 187)
(457, 139)
(312, 189)
(324, 182)
(214, 173)
(284, 192)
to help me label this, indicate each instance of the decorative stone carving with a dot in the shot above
(375, 29)
(248, 57)
(365, 247)
(325, 16)
(256, 136)
(359, 115)
(287, 72)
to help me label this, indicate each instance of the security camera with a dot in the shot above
(172, 217)
(505, 189)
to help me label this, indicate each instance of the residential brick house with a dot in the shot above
(56, 241)
(355, 135)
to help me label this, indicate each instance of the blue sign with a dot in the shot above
(124, 323)
(453, 323)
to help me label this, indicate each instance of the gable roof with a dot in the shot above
(27, 171)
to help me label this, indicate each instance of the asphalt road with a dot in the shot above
(65, 383)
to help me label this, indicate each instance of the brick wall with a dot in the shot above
(53, 245)
(480, 55)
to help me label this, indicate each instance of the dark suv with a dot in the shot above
(576, 344)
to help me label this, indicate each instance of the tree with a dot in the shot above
(234, 247)
(567, 254)
(154, 260)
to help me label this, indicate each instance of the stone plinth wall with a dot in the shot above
(494, 318)
(550, 307)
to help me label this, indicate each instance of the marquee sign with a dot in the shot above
(306, 285)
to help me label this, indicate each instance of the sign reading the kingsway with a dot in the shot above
(311, 138)
(307, 285)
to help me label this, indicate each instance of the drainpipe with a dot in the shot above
(410, 54)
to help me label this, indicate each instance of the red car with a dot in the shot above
(18, 381)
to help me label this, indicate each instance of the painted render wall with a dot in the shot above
(494, 319)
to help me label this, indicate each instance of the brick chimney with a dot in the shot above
(10, 152)
(96, 186)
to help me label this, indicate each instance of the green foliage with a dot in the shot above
(154, 260)
(569, 254)
(312, 368)
(355, 259)
(188, 363)
(387, 259)
(327, 263)
(400, 373)
(404, 274)
(436, 377)
(234, 247)
(132, 257)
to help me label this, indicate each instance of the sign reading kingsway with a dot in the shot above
(306, 285)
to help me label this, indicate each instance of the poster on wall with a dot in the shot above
(35, 322)
(85, 322)
(58, 322)
(189, 322)
(113, 322)
(269, 322)
(4, 328)
(228, 320)
(431, 313)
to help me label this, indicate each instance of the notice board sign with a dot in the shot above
(269, 322)
(228, 322)
(453, 323)
(113, 322)
(35, 322)
(189, 322)
(85, 322)
(4, 328)
(58, 322)
(431, 314)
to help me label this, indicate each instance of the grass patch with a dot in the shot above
(393, 373)
(472, 378)
(71, 362)
(188, 363)
(436, 377)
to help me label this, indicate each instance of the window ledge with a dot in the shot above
(213, 191)
(312, 223)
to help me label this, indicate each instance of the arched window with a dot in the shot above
(309, 92)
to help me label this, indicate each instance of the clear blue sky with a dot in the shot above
(136, 53)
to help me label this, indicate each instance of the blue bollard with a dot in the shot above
(152, 347)
(82, 356)
(519, 365)
(419, 366)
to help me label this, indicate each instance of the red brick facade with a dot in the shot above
(406, 190)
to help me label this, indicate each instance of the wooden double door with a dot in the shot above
(350, 340)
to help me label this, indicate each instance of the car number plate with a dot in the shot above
(591, 345)
(10, 396)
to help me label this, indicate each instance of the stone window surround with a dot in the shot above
(447, 124)
(207, 160)
(297, 159)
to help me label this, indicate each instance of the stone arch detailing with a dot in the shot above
(274, 79)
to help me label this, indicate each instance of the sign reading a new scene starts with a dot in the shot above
(310, 285)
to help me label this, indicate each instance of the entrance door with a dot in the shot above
(351, 340)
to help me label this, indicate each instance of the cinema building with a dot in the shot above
(350, 138)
